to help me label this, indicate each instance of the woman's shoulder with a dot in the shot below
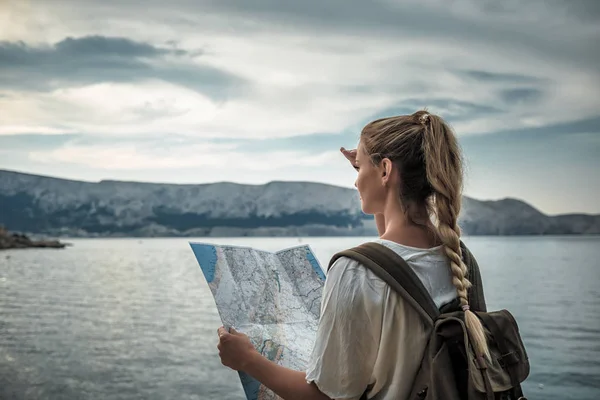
(353, 275)
(345, 265)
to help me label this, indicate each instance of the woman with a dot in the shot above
(369, 341)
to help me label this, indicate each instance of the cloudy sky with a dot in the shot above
(258, 90)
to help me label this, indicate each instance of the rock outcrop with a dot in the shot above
(19, 241)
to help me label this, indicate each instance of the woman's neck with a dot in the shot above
(400, 229)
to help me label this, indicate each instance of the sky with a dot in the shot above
(253, 91)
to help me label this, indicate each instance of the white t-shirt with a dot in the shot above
(368, 336)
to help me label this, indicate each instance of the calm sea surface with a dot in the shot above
(134, 319)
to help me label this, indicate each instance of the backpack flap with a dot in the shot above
(509, 364)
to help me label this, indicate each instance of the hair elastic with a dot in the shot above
(466, 307)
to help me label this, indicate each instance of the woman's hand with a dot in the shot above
(350, 156)
(237, 353)
(235, 349)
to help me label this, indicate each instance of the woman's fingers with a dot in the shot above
(222, 332)
(349, 154)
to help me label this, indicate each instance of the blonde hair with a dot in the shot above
(426, 152)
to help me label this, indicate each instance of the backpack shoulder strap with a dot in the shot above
(394, 270)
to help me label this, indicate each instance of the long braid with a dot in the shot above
(443, 166)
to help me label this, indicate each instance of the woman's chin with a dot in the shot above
(364, 209)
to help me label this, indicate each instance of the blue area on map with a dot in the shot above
(315, 264)
(251, 386)
(207, 258)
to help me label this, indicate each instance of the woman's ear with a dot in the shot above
(386, 170)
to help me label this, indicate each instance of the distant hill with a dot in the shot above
(45, 205)
(515, 217)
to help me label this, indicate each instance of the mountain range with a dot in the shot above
(60, 207)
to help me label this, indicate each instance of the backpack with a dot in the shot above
(449, 369)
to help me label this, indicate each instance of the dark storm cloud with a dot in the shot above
(79, 52)
(96, 59)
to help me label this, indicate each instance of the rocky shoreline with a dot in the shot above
(19, 241)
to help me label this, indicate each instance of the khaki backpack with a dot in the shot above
(449, 369)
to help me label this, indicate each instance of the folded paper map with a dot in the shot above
(274, 298)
